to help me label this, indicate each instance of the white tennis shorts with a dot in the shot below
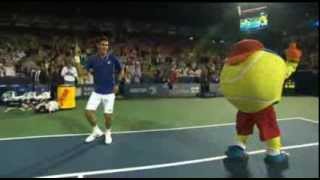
(106, 99)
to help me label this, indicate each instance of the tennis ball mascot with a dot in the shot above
(252, 79)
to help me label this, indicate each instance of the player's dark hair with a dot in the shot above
(102, 38)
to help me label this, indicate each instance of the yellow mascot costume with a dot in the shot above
(252, 80)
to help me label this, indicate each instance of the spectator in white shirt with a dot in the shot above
(9, 69)
(69, 73)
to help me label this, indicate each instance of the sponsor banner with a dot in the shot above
(14, 80)
(18, 88)
(185, 90)
(161, 90)
(133, 90)
(41, 88)
(86, 90)
(146, 90)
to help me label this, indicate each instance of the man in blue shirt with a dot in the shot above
(104, 67)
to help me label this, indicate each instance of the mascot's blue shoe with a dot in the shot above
(235, 152)
(277, 159)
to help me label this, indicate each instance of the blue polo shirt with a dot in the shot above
(104, 72)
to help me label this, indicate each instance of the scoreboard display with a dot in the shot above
(254, 19)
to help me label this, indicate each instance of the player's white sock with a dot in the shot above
(108, 130)
(108, 138)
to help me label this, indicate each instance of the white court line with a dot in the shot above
(140, 131)
(156, 166)
(308, 120)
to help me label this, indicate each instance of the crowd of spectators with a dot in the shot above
(146, 58)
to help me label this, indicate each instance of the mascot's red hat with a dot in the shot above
(242, 49)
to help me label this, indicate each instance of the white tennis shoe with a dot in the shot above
(108, 139)
(95, 134)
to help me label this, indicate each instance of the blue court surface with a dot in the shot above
(179, 152)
